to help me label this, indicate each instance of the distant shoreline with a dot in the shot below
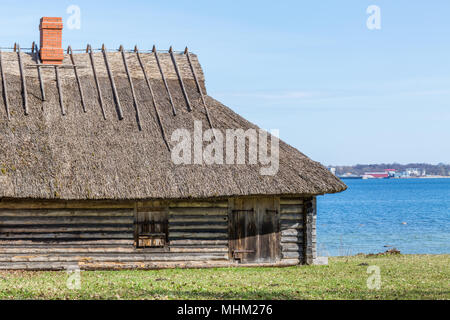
(399, 178)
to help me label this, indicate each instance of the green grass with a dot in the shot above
(402, 277)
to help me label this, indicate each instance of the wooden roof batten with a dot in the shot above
(164, 79)
(35, 51)
(183, 89)
(149, 85)
(72, 59)
(4, 87)
(113, 83)
(133, 93)
(97, 84)
(22, 77)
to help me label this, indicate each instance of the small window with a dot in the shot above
(151, 229)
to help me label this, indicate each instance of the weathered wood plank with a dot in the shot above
(198, 235)
(60, 229)
(199, 242)
(50, 242)
(102, 250)
(65, 213)
(292, 239)
(58, 204)
(292, 247)
(6, 221)
(199, 204)
(296, 210)
(291, 232)
(292, 255)
(292, 216)
(291, 225)
(198, 211)
(223, 228)
(114, 257)
(62, 235)
(291, 201)
(197, 218)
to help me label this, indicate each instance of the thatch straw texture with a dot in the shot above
(46, 155)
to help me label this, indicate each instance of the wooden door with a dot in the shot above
(254, 230)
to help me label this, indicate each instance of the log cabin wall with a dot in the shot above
(54, 235)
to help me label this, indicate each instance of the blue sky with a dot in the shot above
(339, 92)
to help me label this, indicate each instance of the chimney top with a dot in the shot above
(51, 51)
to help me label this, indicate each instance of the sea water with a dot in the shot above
(375, 215)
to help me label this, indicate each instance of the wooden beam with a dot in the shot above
(183, 89)
(60, 92)
(164, 80)
(199, 88)
(97, 84)
(136, 105)
(158, 117)
(72, 59)
(113, 84)
(4, 89)
(24, 83)
(38, 61)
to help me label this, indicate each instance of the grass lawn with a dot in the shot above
(402, 277)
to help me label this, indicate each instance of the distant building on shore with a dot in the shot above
(386, 173)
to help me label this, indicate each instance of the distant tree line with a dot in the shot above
(440, 169)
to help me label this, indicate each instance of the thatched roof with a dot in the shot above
(81, 155)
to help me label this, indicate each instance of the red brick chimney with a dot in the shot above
(51, 40)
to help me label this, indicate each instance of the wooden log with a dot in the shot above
(97, 84)
(193, 256)
(158, 116)
(291, 209)
(198, 235)
(199, 204)
(223, 224)
(60, 93)
(65, 213)
(195, 227)
(198, 249)
(57, 243)
(164, 80)
(38, 61)
(292, 255)
(291, 225)
(198, 211)
(180, 79)
(4, 87)
(66, 250)
(291, 216)
(291, 201)
(24, 83)
(199, 88)
(62, 235)
(200, 242)
(80, 89)
(133, 93)
(113, 83)
(197, 218)
(65, 228)
(61, 204)
(291, 239)
(291, 232)
(294, 247)
(6, 221)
